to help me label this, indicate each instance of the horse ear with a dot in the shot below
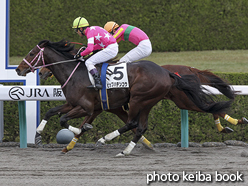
(43, 43)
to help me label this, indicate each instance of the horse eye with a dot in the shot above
(31, 54)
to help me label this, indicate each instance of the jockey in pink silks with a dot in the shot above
(98, 38)
(133, 34)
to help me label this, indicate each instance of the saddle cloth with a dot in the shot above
(114, 76)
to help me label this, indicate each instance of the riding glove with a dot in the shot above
(79, 57)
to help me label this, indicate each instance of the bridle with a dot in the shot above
(40, 56)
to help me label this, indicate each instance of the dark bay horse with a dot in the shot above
(148, 84)
(179, 98)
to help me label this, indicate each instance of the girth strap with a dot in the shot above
(103, 92)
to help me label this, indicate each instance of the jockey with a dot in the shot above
(133, 34)
(98, 38)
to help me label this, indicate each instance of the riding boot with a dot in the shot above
(97, 79)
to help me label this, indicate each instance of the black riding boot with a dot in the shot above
(96, 76)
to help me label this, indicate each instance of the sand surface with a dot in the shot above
(99, 166)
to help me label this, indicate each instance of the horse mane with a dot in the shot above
(67, 49)
(64, 47)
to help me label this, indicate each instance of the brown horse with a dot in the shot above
(148, 84)
(180, 99)
(207, 78)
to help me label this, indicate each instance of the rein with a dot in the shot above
(41, 56)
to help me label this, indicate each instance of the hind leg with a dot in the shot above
(141, 129)
(136, 119)
(123, 115)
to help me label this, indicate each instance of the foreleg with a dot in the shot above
(219, 126)
(84, 127)
(234, 121)
(76, 112)
(51, 112)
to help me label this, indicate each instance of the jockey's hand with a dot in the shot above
(79, 57)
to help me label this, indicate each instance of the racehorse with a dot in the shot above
(148, 84)
(206, 77)
(180, 99)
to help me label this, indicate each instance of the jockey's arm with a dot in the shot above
(90, 47)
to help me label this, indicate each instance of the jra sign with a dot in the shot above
(31, 93)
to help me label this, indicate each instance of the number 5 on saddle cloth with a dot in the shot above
(114, 76)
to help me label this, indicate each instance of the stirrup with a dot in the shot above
(97, 86)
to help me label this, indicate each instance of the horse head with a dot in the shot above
(34, 59)
(43, 54)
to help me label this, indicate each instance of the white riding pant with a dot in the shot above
(143, 49)
(102, 56)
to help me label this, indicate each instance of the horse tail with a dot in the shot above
(191, 86)
(208, 78)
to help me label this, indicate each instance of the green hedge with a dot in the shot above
(178, 25)
(164, 121)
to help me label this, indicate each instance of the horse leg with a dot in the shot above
(234, 121)
(141, 129)
(135, 117)
(87, 121)
(123, 115)
(76, 112)
(130, 124)
(51, 112)
(219, 126)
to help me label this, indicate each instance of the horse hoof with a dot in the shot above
(64, 151)
(245, 121)
(227, 130)
(100, 142)
(87, 126)
(120, 155)
(149, 147)
(38, 139)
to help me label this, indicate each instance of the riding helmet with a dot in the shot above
(111, 26)
(80, 22)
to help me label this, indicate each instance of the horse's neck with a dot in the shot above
(63, 71)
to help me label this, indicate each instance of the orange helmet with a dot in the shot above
(111, 26)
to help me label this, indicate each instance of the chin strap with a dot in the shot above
(82, 31)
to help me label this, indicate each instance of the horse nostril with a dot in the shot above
(18, 71)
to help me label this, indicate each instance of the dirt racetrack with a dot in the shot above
(88, 165)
